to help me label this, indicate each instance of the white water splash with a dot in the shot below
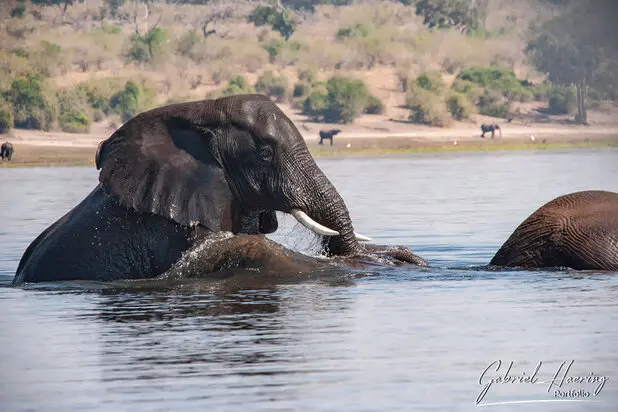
(296, 237)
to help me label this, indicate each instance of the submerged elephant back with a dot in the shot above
(578, 230)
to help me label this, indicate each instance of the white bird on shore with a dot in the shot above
(532, 138)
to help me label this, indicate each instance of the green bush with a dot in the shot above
(459, 106)
(562, 100)
(542, 91)
(274, 48)
(238, 85)
(308, 76)
(347, 98)
(19, 52)
(75, 110)
(520, 94)
(493, 104)
(19, 11)
(99, 93)
(427, 107)
(469, 89)
(132, 100)
(357, 30)
(487, 76)
(271, 85)
(147, 48)
(341, 100)
(301, 89)
(282, 20)
(73, 99)
(317, 102)
(33, 106)
(374, 106)
(75, 122)
(499, 80)
(6, 117)
(431, 81)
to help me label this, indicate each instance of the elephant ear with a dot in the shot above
(160, 162)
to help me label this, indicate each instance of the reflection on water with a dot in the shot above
(398, 339)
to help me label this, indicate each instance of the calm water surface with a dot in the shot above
(394, 340)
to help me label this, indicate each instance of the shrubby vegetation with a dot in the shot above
(6, 117)
(67, 64)
(238, 85)
(74, 122)
(562, 100)
(33, 104)
(272, 86)
(340, 100)
(132, 100)
(75, 112)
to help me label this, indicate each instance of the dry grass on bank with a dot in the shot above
(39, 155)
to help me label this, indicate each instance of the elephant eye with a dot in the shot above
(266, 153)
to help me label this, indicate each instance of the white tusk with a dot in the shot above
(362, 238)
(311, 224)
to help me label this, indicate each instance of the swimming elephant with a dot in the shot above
(174, 176)
(486, 128)
(6, 151)
(577, 230)
(224, 252)
(328, 135)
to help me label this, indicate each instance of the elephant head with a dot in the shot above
(226, 164)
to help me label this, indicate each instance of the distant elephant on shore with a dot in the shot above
(6, 151)
(577, 230)
(173, 177)
(486, 128)
(328, 135)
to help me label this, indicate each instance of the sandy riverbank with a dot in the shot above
(35, 148)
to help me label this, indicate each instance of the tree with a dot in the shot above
(63, 5)
(278, 17)
(114, 7)
(578, 48)
(464, 15)
(309, 5)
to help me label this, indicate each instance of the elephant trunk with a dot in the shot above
(323, 204)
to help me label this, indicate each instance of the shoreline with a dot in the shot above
(55, 149)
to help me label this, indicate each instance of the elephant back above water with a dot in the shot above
(577, 230)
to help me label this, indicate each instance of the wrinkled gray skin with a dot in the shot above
(173, 177)
(578, 231)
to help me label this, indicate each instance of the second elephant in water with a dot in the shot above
(220, 255)
(174, 176)
(578, 230)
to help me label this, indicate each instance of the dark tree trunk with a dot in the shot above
(582, 115)
(63, 11)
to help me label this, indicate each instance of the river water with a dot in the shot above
(403, 339)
